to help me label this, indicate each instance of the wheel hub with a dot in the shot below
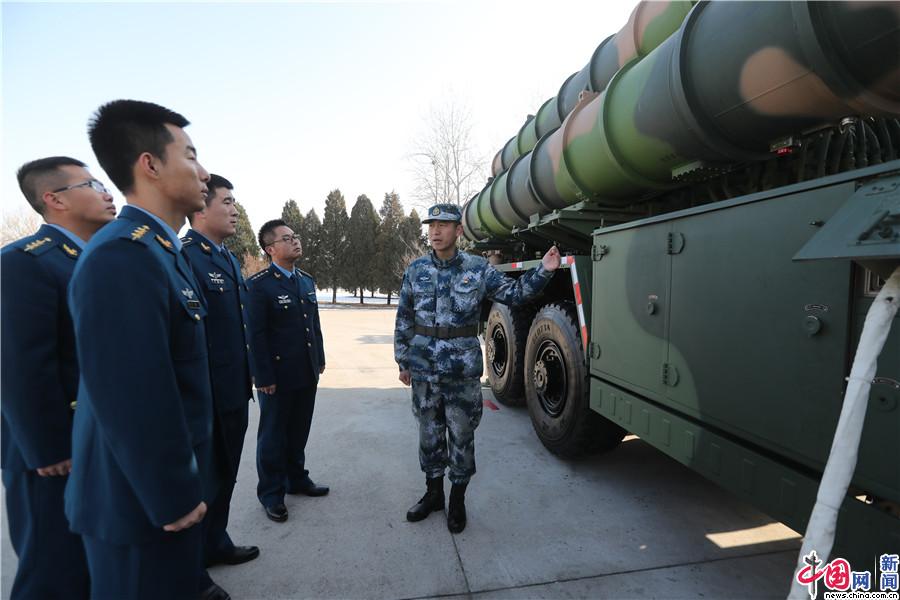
(549, 378)
(496, 351)
(540, 377)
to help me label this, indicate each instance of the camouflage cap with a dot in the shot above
(443, 212)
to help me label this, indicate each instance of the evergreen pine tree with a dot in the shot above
(243, 242)
(291, 215)
(360, 255)
(310, 235)
(390, 249)
(334, 243)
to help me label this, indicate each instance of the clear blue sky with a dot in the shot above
(289, 100)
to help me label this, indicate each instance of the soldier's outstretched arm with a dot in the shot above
(404, 323)
(34, 403)
(510, 291)
(119, 300)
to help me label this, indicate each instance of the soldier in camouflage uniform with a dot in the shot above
(437, 349)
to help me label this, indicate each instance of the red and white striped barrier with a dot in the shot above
(579, 303)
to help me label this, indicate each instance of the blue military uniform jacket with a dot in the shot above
(286, 334)
(39, 367)
(448, 293)
(142, 437)
(227, 333)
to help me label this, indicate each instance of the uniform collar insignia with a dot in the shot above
(164, 242)
(277, 275)
(69, 250)
(37, 244)
(139, 232)
(206, 247)
(188, 293)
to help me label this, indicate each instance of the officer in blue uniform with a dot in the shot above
(288, 358)
(40, 374)
(225, 291)
(142, 437)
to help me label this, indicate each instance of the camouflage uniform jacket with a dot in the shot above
(438, 293)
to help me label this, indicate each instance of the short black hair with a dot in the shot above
(265, 237)
(121, 130)
(30, 174)
(215, 182)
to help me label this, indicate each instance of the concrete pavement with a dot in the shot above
(629, 524)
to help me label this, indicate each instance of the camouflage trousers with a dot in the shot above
(448, 413)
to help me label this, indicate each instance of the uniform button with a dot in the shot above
(245, 326)
(304, 315)
(242, 307)
(309, 344)
(285, 307)
(307, 330)
(196, 317)
(248, 346)
(302, 302)
(277, 357)
(221, 289)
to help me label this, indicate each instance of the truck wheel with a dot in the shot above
(504, 340)
(556, 387)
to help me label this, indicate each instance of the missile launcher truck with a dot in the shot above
(723, 179)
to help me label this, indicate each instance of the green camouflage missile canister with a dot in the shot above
(734, 79)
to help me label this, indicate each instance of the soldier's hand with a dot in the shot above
(551, 260)
(267, 389)
(59, 469)
(188, 520)
(405, 377)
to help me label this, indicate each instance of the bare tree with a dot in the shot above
(17, 224)
(445, 164)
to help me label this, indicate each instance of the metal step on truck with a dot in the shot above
(724, 180)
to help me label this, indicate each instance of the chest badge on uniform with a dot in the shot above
(424, 278)
(188, 293)
(216, 278)
(284, 299)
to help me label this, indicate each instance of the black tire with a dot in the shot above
(504, 340)
(557, 387)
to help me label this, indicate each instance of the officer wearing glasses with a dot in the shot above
(40, 374)
(288, 358)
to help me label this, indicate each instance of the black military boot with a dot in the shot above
(432, 500)
(456, 514)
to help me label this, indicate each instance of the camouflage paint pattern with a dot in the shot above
(649, 24)
(448, 414)
(438, 293)
(736, 77)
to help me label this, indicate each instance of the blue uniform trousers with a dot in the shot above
(51, 558)
(167, 569)
(284, 421)
(232, 426)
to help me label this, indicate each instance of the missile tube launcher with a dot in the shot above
(724, 181)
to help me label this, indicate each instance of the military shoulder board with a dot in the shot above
(259, 275)
(138, 233)
(38, 246)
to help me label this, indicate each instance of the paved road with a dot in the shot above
(630, 524)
